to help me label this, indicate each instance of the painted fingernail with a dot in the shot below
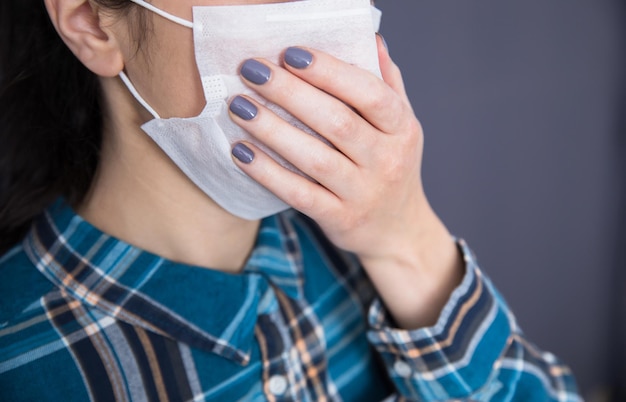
(243, 108)
(298, 58)
(255, 71)
(243, 153)
(382, 38)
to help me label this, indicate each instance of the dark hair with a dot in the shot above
(50, 117)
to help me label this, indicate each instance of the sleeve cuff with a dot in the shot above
(454, 358)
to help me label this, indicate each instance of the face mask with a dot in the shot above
(224, 37)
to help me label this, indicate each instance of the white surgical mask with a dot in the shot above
(224, 37)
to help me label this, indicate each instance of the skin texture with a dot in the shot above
(369, 197)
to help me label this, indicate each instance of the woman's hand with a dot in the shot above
(368, 196)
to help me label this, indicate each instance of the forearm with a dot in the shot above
(417, 279)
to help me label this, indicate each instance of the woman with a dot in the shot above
(144, 267)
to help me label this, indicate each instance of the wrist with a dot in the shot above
(417, 277)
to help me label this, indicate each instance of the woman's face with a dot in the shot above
(164, 70)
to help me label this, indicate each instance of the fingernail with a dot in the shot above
(298, 58)
(255, 71)
(243, 108)
(243, 153)
(384, 41)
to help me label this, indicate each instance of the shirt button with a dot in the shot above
(402, 369)
(278, 384)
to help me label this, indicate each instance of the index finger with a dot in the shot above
(369, 95)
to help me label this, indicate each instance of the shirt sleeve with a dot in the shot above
(475, 351)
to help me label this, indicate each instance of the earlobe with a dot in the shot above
(80, 27)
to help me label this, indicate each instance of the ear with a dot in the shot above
(80, 26)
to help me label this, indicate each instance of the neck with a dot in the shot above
(141, 197)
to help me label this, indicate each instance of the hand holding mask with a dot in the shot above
(225, 36)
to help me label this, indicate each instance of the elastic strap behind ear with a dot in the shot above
(173, 18)
(136, 95)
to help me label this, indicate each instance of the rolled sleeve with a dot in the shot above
(463, 355)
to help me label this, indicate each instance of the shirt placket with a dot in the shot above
(294, 354)
(274, 346)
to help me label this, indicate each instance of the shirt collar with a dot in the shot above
(204, 308)
(277, 255)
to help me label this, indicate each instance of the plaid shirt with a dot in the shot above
(84, 316)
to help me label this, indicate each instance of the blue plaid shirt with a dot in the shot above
(84, 316)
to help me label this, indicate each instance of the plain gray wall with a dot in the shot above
(519, 104)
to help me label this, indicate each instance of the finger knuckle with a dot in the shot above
(302, 199)
(344, 223)
(410, 136)
(395, 168)
(381, 97)
(415, 128)
(285, 90)
(322, 165)
(342, 124)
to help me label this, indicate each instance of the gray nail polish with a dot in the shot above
(384, 41)
(255, 71)
(243, 108)
(243, 153)
(298, 58)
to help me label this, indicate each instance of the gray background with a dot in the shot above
(520, 104)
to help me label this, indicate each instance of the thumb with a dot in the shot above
(389, 70)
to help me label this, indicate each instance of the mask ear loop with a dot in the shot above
(173, 18)
(124, 77)
(136, 95)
